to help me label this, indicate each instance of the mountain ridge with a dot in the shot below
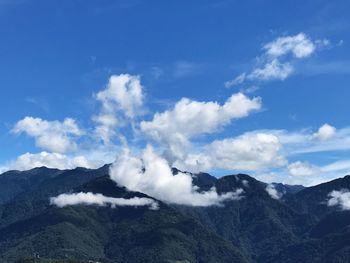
(255, 229)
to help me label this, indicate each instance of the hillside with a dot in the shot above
(256, 228)
(106, 234)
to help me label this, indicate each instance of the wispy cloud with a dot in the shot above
(183, 69)
(277, 60)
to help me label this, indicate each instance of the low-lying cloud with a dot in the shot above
(152, 175)
(98, 199)
(272, 191)
(340, 198)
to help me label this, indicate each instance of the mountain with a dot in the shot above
(258, 224)
(122, 234)
(312, 200)
(327, 239)
(287, 189)
(299, 227)
(13, 183)
(33, 195)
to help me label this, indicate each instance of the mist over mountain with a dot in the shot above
(302, 225)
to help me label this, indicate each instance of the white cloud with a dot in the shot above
(106, 127)
(98, 199)
(271, 190)
(3, 169)
(299, 45)
(152, 175)
(272, 70)
(305, 141)
(236, 81)
(51, 160)
(338, 166)
(54, 136)
(122, 99)
(123, 92)
(340, 198)
(274, 63)
(325, 132)
(250, 152)
(174, 128)
(302, 169)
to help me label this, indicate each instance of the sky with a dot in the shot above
(256, 87)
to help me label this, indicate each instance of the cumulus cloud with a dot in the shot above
(122, 97)
(123, 92)
(188, 118)
(271, 190)
(51, 160)
(276, 63)
(325, 132)
(54, 136)
(302, 169)
(250, 152)
(340, 198)
(101, 200)
(152, 175)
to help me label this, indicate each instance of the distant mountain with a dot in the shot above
(288, 189)
(327, 235)
(299, 227)
(312, 199)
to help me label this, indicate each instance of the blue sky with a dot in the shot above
(56, 56)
